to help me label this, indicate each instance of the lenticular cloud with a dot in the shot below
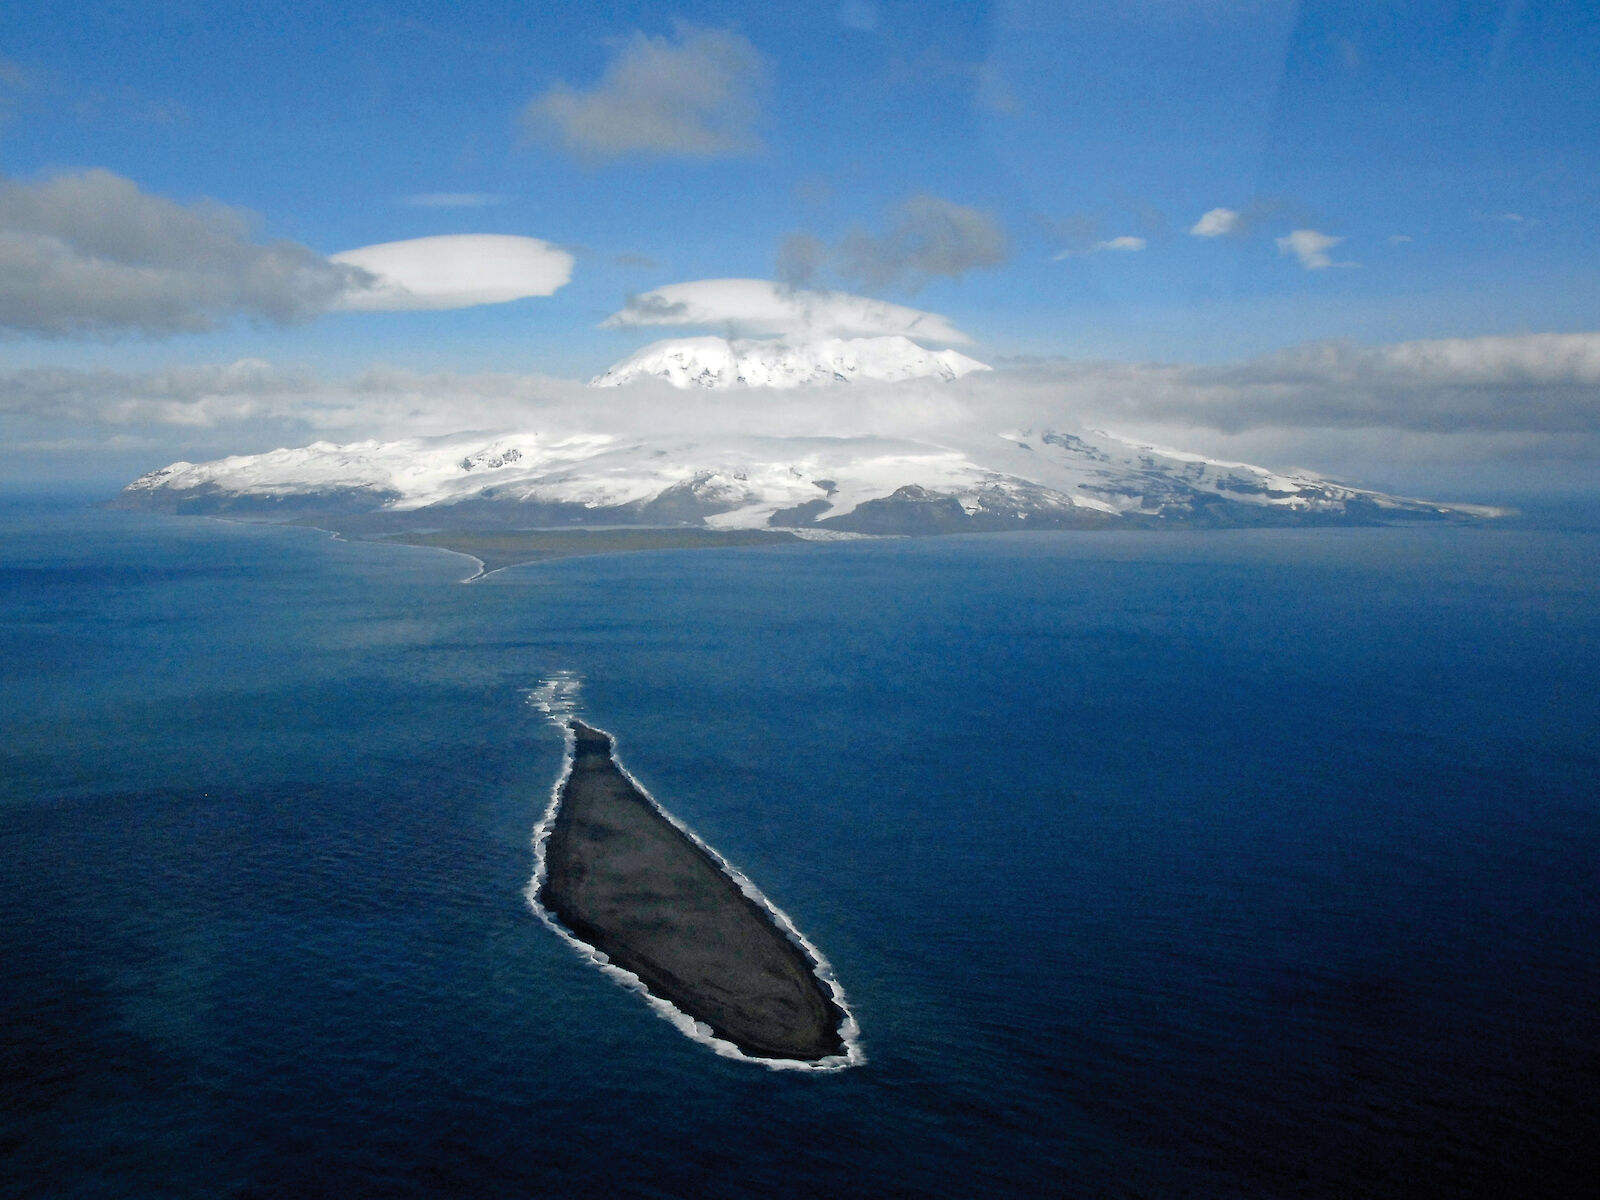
(454, 271)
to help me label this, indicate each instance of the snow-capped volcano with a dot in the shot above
(1021, 479)
(715, 362)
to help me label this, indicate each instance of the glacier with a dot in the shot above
(918, 463)
(1015, 479)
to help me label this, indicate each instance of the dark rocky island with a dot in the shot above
(624, 879)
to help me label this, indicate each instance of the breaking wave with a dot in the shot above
(557, 696)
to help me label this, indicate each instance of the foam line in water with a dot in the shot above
(849, 1030)
(557, 696)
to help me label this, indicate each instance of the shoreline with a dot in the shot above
(495, 550)
(643, 897)
(339, 536)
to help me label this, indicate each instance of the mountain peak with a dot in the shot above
(714, 362)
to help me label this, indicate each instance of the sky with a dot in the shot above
(1353, 238)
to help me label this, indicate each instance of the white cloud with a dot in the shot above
(1125, 244)
(697, 94)
(1547, 383)
(91, 254)
(760, 307)
(1338, 407)
(1217, 222)
(275, 401)
(1400, 239)
(1311, 248)
(455, 271)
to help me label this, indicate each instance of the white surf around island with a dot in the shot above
(557, 697)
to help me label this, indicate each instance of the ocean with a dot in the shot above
(1215, 864)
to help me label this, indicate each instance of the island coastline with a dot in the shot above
(495, 550)
(642, 896)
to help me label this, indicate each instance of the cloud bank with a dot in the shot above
(1522, 410)
(453, 271)
(1545, 383)
(761, 308)
(90, 254)
(1542, 383)
(697, 94)
(289, 401)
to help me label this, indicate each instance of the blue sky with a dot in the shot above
(1066, 152)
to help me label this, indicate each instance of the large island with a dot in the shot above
(625, 880)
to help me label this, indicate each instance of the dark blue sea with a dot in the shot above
(1193, 864)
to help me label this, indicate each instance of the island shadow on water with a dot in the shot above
(624, 881)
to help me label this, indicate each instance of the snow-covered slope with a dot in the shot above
(977, 481)
(715, 362)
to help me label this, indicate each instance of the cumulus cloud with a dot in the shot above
(929, 237)
(760, 307)
(697, 94)
(91, 254)
(1311, 248)
(1218, 222)
(1257, 214)
(454, 271)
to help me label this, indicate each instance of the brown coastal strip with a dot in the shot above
(496, 549)
(624, 879)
